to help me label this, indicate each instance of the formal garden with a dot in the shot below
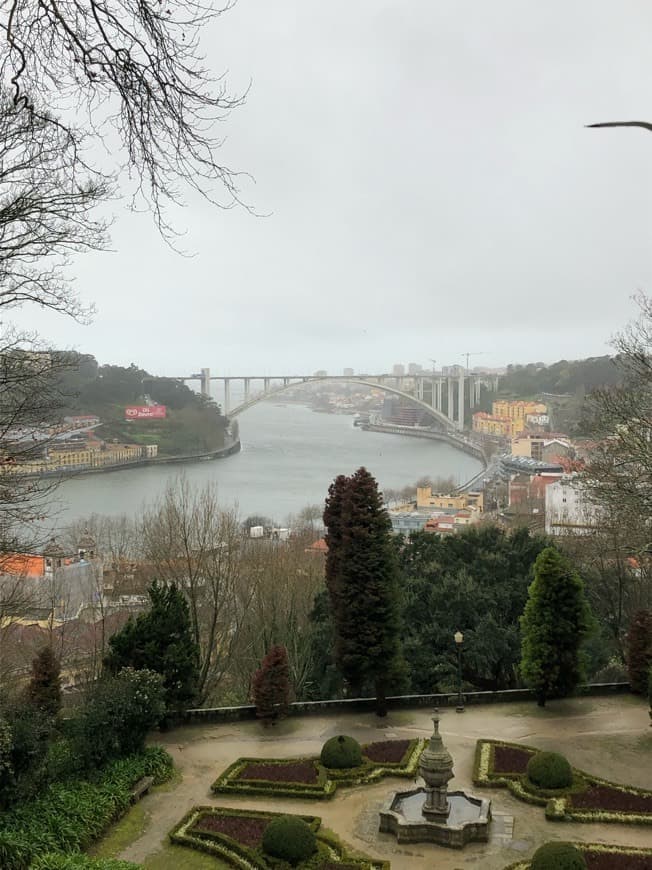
(233, 779)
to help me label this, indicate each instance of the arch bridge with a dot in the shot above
(442, 395)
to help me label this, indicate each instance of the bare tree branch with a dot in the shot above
(47, 199)
(136, 68)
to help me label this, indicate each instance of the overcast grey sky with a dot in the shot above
(431, 190)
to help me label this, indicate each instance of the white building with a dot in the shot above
(569, 507)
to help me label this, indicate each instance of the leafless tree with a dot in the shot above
(285, 577)
(136, 70)
(47, 203)
(193, 542)
(619, 471)
(15, 599)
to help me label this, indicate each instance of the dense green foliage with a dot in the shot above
(116, 717)
(25, 732)
(476, 581)
(362, 580)
(639, 650)
(555, 622)
(565, 376)
(68, 816)
(290, 839)
(193, 424)
(341, 752)
(550, 770)
(44, 688)
(16, 853)
(271, 685)
(161, 640)
(558, 856)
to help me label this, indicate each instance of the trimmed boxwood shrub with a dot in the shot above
(558, 856)
(290, 839)
(550, 770)
(341, 752)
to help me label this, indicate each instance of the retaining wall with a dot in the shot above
(306, 708)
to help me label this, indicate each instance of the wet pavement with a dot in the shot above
(609, 737)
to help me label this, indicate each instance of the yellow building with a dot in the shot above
(426, 498)
(489, 424)
(517, 412)
(93, 455)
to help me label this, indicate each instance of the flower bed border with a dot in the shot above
(328, 778)
(558, 806)
(591, 847)
(245, 858)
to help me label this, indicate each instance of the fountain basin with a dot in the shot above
(468, 819)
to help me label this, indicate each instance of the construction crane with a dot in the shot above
(469, 353)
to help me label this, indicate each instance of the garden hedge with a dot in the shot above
(330, 850)
(558, 803)
(327, 781)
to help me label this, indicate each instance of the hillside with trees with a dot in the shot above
(193, 423)
(563, 386)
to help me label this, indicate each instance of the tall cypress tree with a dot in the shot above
(44, 688)
(555, 621)
(160, 640)
(362, 579)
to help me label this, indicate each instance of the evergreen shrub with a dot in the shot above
(558, 856)
(549, 770)
(341, 752)
(15, 852)
(290, 839)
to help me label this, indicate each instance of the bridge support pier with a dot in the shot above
(206, 383)
(450, 407)
(247, 388)
(227, 396)
(460, 401)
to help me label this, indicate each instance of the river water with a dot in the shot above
(289, 457)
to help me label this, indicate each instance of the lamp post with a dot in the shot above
(459, 640)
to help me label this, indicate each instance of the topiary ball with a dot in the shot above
(549, 770)
(290, 839)
(341, 752)
(558, 856)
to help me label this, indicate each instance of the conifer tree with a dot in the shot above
(639, 650)
(362, 579)
(555, 622)
(271, 685)
(44, 688)
(160, 640)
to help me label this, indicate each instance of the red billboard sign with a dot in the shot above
(145, 412)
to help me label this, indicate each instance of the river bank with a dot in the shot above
(67, 473)
(460, 442)
(288, 458)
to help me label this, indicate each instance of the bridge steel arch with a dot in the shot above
(449, 425)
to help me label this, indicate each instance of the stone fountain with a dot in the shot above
(431, 813)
